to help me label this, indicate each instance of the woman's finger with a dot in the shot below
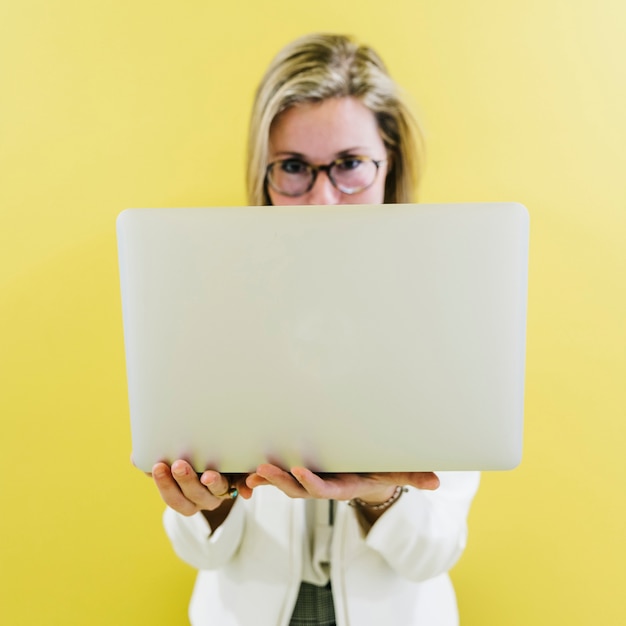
(170, 490)
(420, 480)
(218, 485)
(282, 480)
(337, 487)
(255, 480)
(205, 497)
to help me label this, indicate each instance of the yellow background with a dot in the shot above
(108, 105)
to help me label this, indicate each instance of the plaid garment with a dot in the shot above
(314, 606)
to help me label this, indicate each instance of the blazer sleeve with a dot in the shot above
(194, 542)
(425, 532)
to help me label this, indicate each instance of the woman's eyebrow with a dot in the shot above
(288, 153)
(342, 153)
(356, 150)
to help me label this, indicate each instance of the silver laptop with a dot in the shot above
(341, 338)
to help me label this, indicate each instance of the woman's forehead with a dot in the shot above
(325, 130)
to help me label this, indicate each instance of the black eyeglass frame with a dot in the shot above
(315, 169)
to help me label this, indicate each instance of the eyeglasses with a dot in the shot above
(294, 177)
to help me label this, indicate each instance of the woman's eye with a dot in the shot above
(293, 166)
(348, 164)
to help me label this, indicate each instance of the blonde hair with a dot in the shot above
(321, 66)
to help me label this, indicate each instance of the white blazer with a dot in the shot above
(251, 567)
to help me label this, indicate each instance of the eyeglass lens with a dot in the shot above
(292, 177)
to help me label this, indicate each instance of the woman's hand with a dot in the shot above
(371, 488)
(186, 492)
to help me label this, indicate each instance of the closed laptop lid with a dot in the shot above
(342, 338)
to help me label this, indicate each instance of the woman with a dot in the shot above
(286, 546)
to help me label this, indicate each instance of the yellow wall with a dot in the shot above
(106, 105)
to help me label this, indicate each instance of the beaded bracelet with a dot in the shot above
(383, 505)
